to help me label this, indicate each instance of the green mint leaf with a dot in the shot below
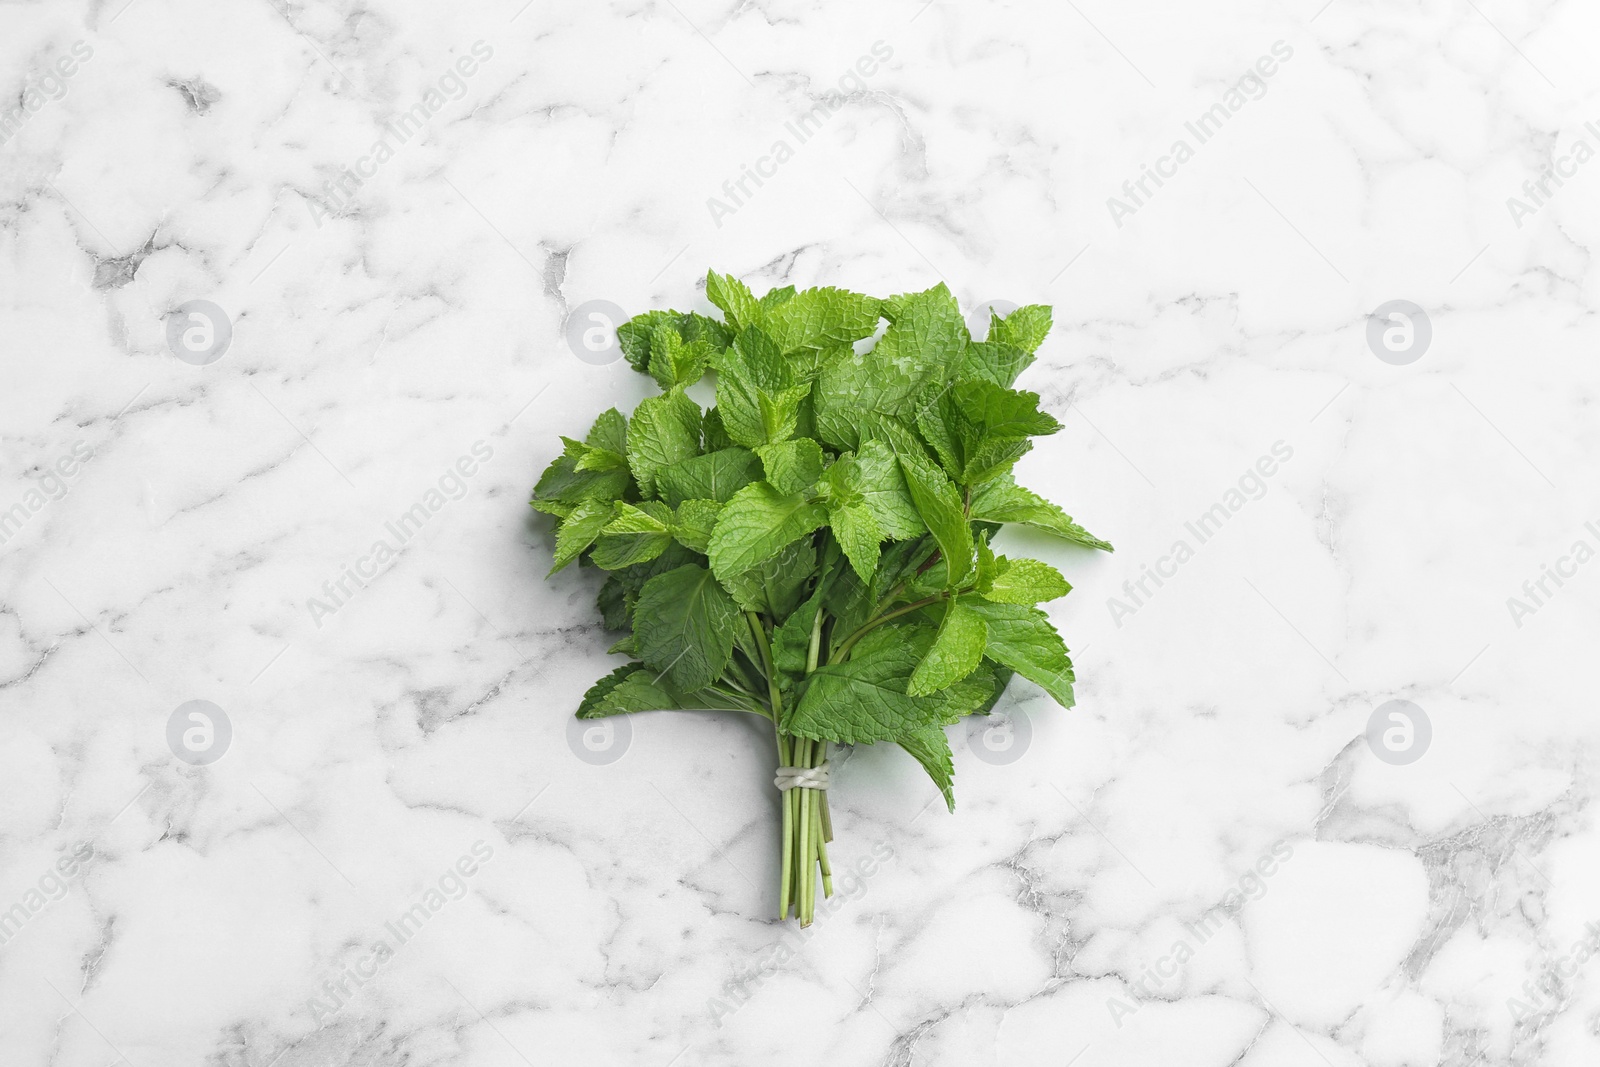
(737, 302)
(776, 587)
(694, 522)
(636, 336)
(864, 699)
(939, 504)
(563, 484)
(1023, 639)
(858, 534)
(930, 746)
(756, 524)
(956, 651)
(579, 529)
(663, 430)
(613, 602)
(713, 476)
(1003, 500)
(978, 428)
(713, 435)
(597, 691)
(885, 493)
(1025, 581)
(925, 338)
(822, 318)
(684, 625)
(756, 391)
(610, 432)
(674, 361)
(774, 297)
(993, 361)
(637, 534)
(627, 689)
(1025, 328)
(792, 466)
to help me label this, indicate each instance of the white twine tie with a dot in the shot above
(802, 777)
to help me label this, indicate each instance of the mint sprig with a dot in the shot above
(814, 547)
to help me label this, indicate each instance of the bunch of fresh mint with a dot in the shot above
(814, 547)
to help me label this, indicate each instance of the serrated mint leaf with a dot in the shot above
(627, 689)
(563, 484)
(885, 493)
(597, 691)
(663, 431)
(756, 524)
(1024, 328)
(774, 297)
(792, 466)
(992, 361)
(738, 303)
(1002, 412)
(610, 432)
(1023, 639)
(864, 699)
(615, 610)
(579, 529)
(858, 534)
(930, 746)
(637, 533)
(637, 334)
(821, 318)
(924, 340)
(674, 361)
(1003, 500)
(1025, 581)
(683, 625)
(978, 428)
(757, 394)
(939, 504)
(956, 651)
(713, 435)
(777, 586)
(713, 476)
(693, 523)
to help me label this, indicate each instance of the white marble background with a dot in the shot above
(1429, 913)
